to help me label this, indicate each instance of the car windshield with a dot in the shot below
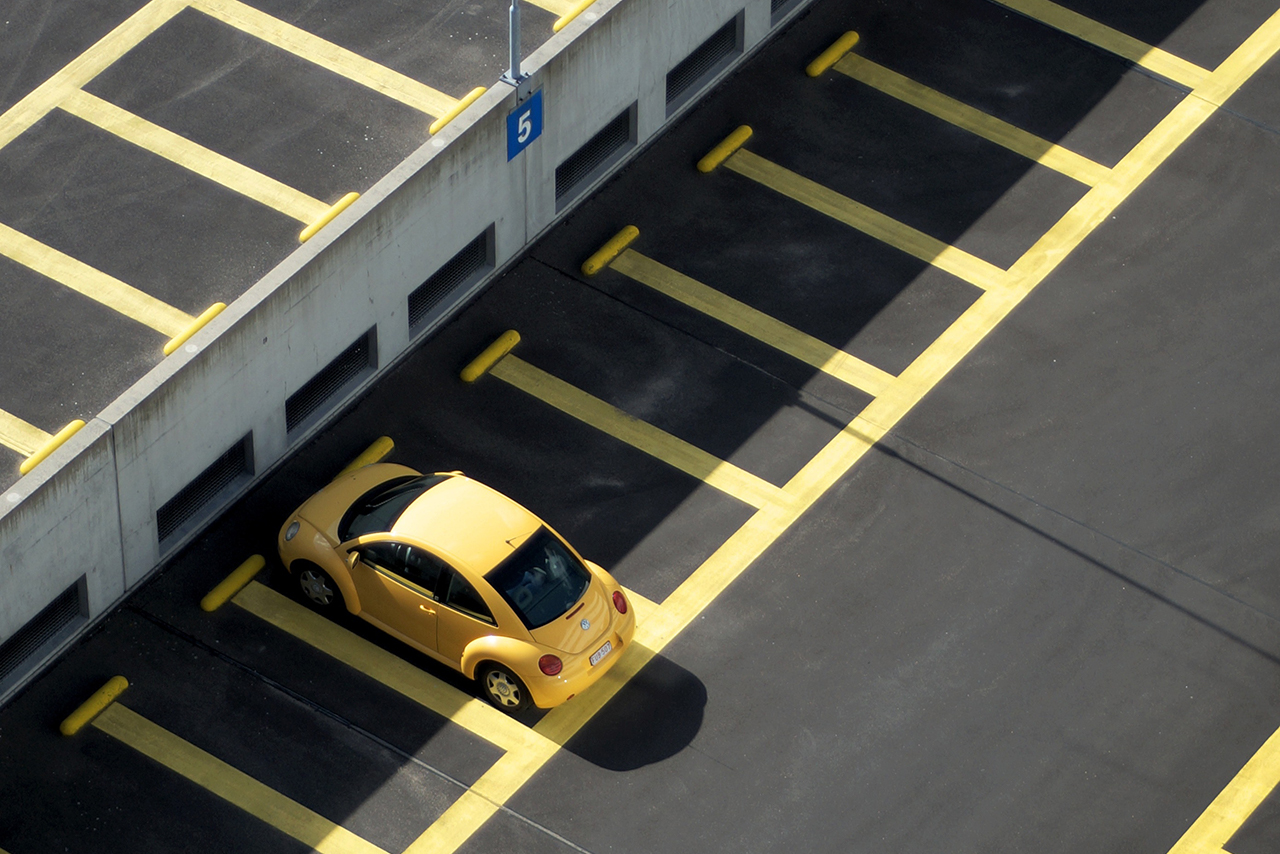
(541, 580)
(379, 508)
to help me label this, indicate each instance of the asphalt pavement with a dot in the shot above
(124, 176)
(906, 581)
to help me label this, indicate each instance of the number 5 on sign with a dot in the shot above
(524, 125)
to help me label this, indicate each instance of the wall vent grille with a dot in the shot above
(201, 494)
(39, 634)
(351, 365)
(463, 269)
(595, 156)
(779, 8)
(696, 70)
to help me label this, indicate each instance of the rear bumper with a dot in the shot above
(579, 673)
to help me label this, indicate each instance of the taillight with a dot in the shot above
(550, 665)
(620, 601)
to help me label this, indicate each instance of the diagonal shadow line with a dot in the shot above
(324, 711)
(1087, 558)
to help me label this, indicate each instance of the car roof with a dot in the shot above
(469, 521)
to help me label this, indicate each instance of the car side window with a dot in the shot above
(461, 596)
(420, 568)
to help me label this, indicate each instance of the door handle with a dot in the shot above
(430, 611)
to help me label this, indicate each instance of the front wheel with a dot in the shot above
(504, 689)
(319, 588)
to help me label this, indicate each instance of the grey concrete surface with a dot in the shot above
(230, 385)
(165, 230)
(1038, 616)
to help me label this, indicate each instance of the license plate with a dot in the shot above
(601, 653)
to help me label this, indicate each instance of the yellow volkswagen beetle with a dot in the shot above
(464, 574)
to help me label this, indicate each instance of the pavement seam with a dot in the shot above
(691, 336)
(885, 447)
(189, 638)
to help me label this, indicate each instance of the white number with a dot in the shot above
(525, 126)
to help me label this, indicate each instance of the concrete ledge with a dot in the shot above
(231, 379)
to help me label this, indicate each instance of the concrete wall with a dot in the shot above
(90, 510)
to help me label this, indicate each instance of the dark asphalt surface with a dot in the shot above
(164, 230)
(1040, 615)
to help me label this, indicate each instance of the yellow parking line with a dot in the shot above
(230, 784)
(975, 121)
(957, 262)
(1233, 806)
(95, 284)
(556, 7)
(18, 435)
(511, 772)
(471, 714)
(77, 73)
(757, 324)
(607, 418)
(1086, 29)
(1142, 160)
(328, 55)
(193, 156)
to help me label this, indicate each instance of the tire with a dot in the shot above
(503, 689)
(319, 589)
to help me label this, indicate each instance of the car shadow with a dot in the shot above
(657, 714)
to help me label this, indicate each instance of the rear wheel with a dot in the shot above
(319, 588)
(504, 689)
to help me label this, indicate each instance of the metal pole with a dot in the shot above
(514, 73)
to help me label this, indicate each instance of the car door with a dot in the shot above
(397, 585)
(463, 615)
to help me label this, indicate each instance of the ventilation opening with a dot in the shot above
(41, 635)
(595, 157)
(707, 60)
(429, 301)
(778, 9)
(198, 498)
(307, 405)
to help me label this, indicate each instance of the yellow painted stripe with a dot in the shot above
(1047, 154)
(397, 674)
(833, 462)
(757, 324)
(18, 435)
(194, 157)
(95, 284)
(607, 418)
(231, 784)
(328, 55)
(955, 261)
(1242, 64)
(555, 7)
(1086, 29)
(88, 65)
(1142, 160)
(1233, 806)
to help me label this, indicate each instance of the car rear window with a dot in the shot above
(379, 508)
(541, 581)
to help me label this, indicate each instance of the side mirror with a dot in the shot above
(353, 557)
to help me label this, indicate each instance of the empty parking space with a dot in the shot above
(933, 493)
(160, 157)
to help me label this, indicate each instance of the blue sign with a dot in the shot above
(524, 125)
